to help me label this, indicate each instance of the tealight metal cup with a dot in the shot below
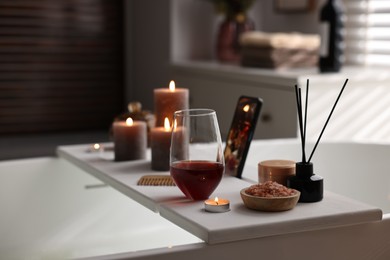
(221, 206)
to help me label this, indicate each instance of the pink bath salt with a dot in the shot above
(270, 189)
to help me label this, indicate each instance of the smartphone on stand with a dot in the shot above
(241, 133)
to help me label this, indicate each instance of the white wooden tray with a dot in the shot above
(239, 223)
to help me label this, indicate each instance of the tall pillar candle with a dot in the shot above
(130, 141)
(169, 100)
(160, 138)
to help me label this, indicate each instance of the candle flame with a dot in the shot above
(96, 146)
(216, 200)
(172, 86)
(246, 108)
(129, 121)
(167, 126)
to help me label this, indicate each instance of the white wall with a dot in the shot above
(300, 22)
(147, 49)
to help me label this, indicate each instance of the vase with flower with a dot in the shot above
(235, 22)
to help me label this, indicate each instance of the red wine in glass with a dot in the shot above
(197, 179)
(196, 156)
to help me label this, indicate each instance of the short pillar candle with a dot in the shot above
(160, 138)
(169, 100)
(130, 141)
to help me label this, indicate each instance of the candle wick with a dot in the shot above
(216, 202)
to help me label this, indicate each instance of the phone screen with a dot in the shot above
(240, 134)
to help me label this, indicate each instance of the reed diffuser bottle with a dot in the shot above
(310, 185)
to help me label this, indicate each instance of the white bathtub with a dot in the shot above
(46, 212)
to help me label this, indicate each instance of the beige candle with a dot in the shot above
(276, 170)
(179, 136)
(130, 142)
(160, 145)
(169, 100)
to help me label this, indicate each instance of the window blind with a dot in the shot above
(367, 32)
(61, 65)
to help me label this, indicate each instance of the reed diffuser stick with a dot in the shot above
(306, 102)
(299, 110)
(327, 120)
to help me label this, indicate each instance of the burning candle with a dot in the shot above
(95, 148)
(217, 205)
(130, 142)
(160, 145)
(169, 100)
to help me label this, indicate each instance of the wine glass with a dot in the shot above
(196, 157)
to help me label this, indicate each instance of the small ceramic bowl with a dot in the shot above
(269, 204)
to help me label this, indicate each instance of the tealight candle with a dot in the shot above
(130, 142)
(160, 139)
(217, 205)
(169, 100)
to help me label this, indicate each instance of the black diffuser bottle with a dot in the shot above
(310, 185)
(331, 50)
